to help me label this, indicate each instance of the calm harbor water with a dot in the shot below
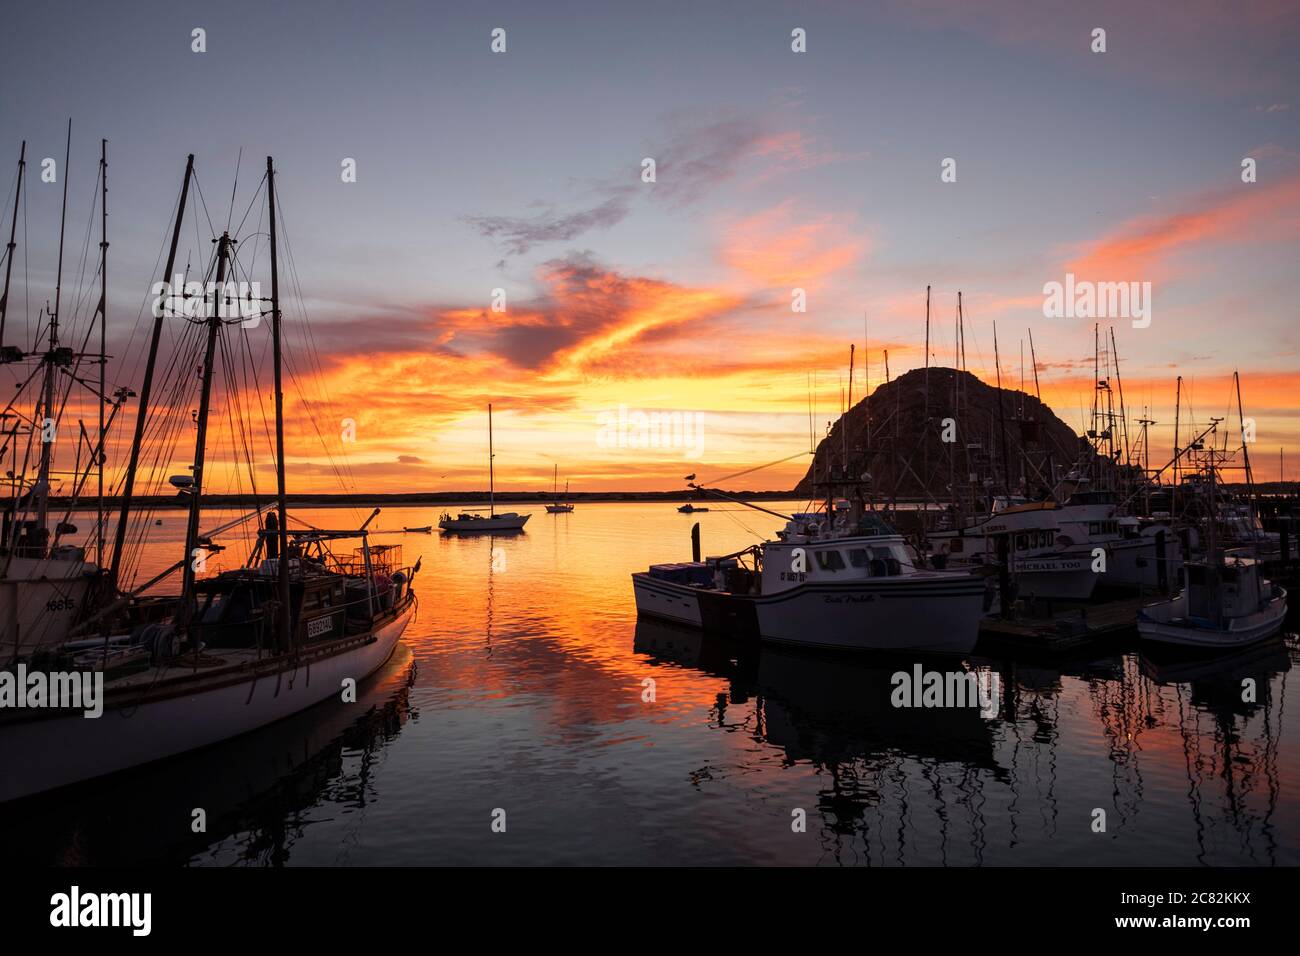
(520, 687)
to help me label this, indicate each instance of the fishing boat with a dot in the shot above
(688, 509)
(839, 579)
(1225, 603)
(301, 623)
(558, 506)
(48, 581)
(470, 522)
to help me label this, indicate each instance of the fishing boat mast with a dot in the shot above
(492, 508)
(186, 608)
(146, 388)
(42, 488)
(282, 566)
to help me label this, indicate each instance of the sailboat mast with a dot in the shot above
(282, 569)
(1178, 404)
(119, 535)
(492, 492)
(13, 228)
(201, 442)
(1033, 359)
(1002, 415)
(47, 447)
(103, 344)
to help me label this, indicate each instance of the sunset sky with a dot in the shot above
(775, 170)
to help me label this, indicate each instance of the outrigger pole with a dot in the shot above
(282, 567)
(13, 227)
(119, 537)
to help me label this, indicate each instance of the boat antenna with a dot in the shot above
(491, 477)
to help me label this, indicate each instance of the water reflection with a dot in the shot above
(257, 792)
(1188, 751)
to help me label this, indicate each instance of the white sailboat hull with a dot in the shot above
(46, 750)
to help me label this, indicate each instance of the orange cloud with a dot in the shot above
(1144, 248)
(780, 247)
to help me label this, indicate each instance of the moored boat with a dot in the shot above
(469, 522)
(820, 585)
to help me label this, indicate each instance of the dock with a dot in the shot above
(1062, 629)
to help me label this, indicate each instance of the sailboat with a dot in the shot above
(469, 522)
(297, 625)
(558, 507)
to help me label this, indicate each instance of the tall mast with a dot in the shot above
(1245, 451)
(492, 492)
(13, 227)
(103, 343)
(201, 442)
(43, 482)
(282, 566)
(1178, 404)
(1033, 359)
(1123, 413)
(1002, 414)
(128, 486)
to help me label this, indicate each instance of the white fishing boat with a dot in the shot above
(1223, 605)
(558, 506)
(1226, 602)
(47, 582)
(470, 522)
(847, 582)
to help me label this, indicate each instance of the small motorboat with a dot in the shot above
(689, 508)
(423, 529)
(1223, 605)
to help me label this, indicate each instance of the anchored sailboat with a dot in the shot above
(469, 522)
(558, 507)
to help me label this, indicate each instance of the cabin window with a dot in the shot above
(1022, 542)
(957, 546)
(859, 558)
(830, 560)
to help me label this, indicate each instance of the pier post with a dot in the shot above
(1004, 575)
